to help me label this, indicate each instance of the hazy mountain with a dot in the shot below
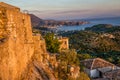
(36, 21)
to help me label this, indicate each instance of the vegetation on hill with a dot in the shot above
(68, 59)
(103, 28)
(97, 41)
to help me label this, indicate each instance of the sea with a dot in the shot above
(112, 21)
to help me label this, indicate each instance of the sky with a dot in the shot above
(69, 9)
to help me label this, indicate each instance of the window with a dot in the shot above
(65, 42)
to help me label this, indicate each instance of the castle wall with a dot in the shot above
(17, 50)
(39, 46)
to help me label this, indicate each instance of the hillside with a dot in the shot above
(103, 28)
(36, 21)
(98, 41)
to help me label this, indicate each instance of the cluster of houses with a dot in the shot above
(99, 69)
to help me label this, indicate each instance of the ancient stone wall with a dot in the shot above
(39, 46)
(3, 22)
(18, 48)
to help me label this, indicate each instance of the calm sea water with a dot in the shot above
(114, 21)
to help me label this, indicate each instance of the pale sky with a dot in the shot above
(69, 9)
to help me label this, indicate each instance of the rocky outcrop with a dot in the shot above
(22, 54)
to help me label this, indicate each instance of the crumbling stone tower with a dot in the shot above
(64, 43)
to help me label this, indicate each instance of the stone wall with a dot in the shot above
(19, 46)
(39, 46)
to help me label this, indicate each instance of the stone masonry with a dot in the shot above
(17, 43)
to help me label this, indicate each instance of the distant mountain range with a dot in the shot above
(38, 22)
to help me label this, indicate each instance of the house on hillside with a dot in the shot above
(99, 69)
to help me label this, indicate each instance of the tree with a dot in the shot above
(69, 56)
(83, 56)
(52, 43)
(66, 59)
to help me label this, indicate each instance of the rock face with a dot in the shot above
(22, 54)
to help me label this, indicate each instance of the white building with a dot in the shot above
(99, 68)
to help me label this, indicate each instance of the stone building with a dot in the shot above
(99, 69)
(64, 43)
(19, 48)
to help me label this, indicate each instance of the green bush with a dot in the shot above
(52, 43)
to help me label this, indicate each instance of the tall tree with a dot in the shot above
(52, 43)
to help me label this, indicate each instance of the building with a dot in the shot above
(64, 43)
(100, 69)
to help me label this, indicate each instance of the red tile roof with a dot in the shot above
(96, 63)
(112, 74)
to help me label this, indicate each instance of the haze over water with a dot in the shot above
(112, 21)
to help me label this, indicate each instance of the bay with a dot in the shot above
(113, 21)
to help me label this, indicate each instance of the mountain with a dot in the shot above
(36, 21)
